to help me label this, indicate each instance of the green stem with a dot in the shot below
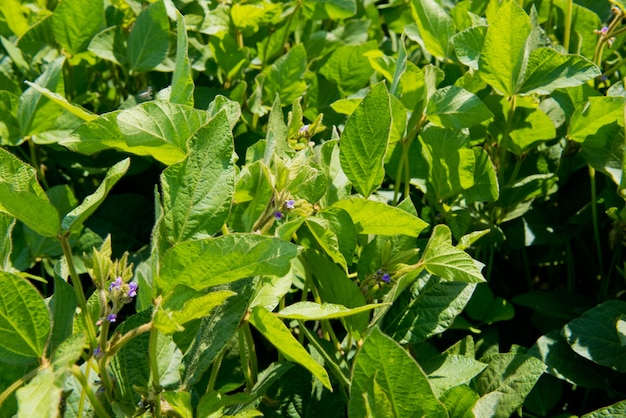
(120, 342)
(15, 385)
(95, 402)
(254, 368)
(502, 161)
(154, 370)
(217, 363)
(245, 364)
(516, 169)
(594, 216)
(78, 289)
(568, 24)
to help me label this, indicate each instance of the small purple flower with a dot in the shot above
(132, 290)
(278, 216)
(97, 351)
(290, 204)
(116, 284)
(604, 30)
(112, 317)
(304, 129)
(386, 278)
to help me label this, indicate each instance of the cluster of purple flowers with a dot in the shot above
(289, 205)
(120, 293)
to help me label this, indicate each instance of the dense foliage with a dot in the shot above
(312, 208)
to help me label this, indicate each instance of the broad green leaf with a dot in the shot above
(201, 306)
(505, 383)
(276, 137)
(459, 401)
(307, 311)
(279, 335)
(328, 9)
(228, 56)
(68, 352)
(148, 41)
(486, 186)
(215, 331)
(338, 185)
(182, 82)
(468, 44)
(341, 224)
(180, 402)
(548, 70)
(22, 197)
(63, 307)
(75, 22)
(326, 238)
(306, 179)
(428, 308)
(618, 409)
(231, 107)
(594, 335)
(110, 45)
(504, 56)
(364, 141)
(253, 192)
(451, 163)
(397, 375)
(285, 77)
(349, 68)
(443, 259)
(371, 217)
(40, 397)
(596, 117)
(198, 191)
(454, 107)
(62, 101)
(450, 370)
(9, 125)
(203, 263)
(605, 151)
(89, 205)
(435, 26)
(14, 17)
(7, 223)
(25, 323)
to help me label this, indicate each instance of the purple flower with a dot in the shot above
(278, 216)
(290, 204)
(304, 129)
(116, 284)
(97, 351)
(386, 278)
(132, 290)
(604, 30)
(112, 317)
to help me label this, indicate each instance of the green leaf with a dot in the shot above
(180, 402)
(459, 401)
(253, 192)
(203, 263)
(7, 223)
(307, 311)
(9, 125)
(505, 383)
(618, 409)
(328, 9)
(349, 68)
(25, 320)
(276, 137)
(75, 22)
(428, 308)
(22, 197)
(548, 70)
(279, 335)
(468, 45)
(504, 55)
(182, 82)
(79, 215)
(595, 117)
(62, 101)
(486, 186)
(450, 370)
(455, 107)
(327, 239)
(451, 163)
(68, 352)
(364, 141)
(371, 217)
(201, 306)
(40, 397)
(63, 307)
(443, 259)
(594, 335)
(148, 41)
(110, 45)
(398, 377)
(198, 191)
(285, 77)
(435, 26)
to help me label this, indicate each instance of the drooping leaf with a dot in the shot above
(75, 22)
(548, 70)
(398, 377)
(594, 335)
(436, 27)
(148, 41)
(203, 263)
(182, 82)
(505, 52)
(443, 259)
(89, 205)
(316, 311)
(371, 217)
(364, 141)
(198, 191)
(505, 383)
(457, 108)
(62, 101)
(25, 324)
(22, 197)
(279, 335)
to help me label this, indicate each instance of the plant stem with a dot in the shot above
(78, 289)
(217, 363)
(245, 364)
(95, 402)
(15, 385)
(251, 350)
(154, 370)
(594, 220)
(568, 25)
